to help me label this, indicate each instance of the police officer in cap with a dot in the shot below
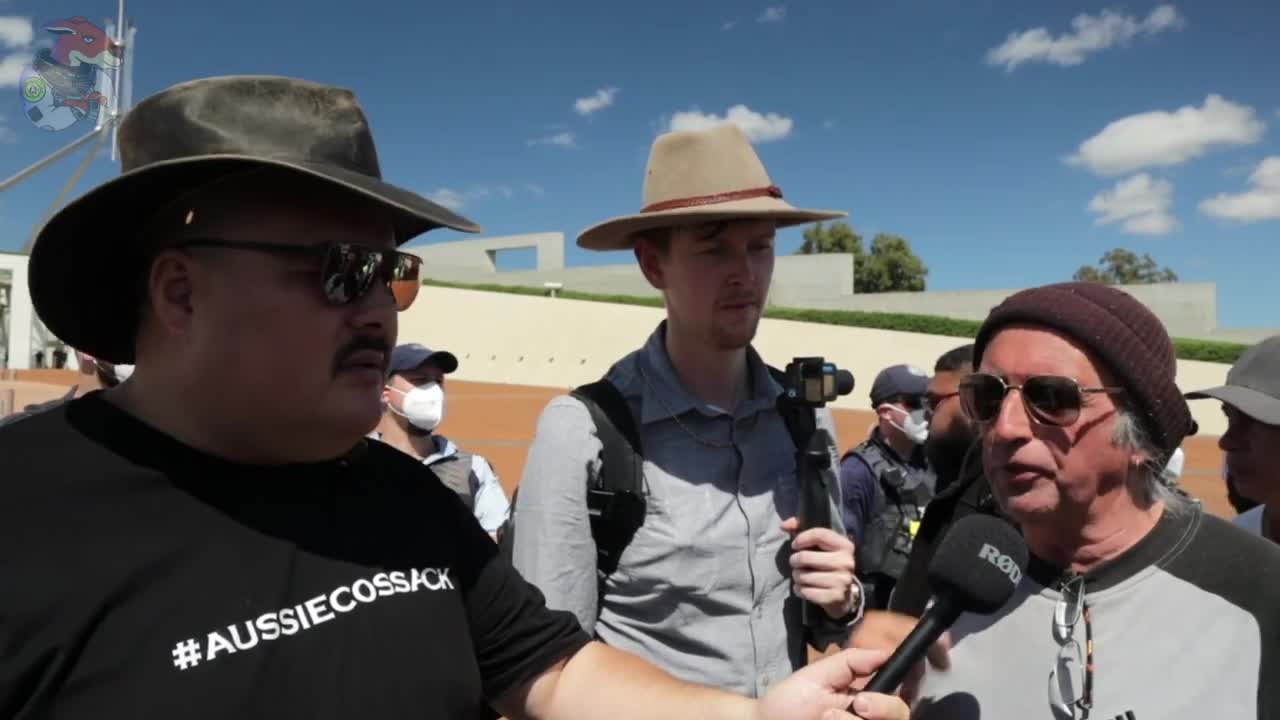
(413, 408)
(886, 481)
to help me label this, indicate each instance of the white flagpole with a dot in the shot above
(108, 122)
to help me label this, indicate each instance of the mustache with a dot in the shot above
(360, 343)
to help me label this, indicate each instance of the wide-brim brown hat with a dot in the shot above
(697, 176)
(86, 260)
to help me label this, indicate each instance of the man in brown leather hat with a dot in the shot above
(216, 537)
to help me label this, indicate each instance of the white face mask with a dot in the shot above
(914, 426)
(123, 372)
(423, 405)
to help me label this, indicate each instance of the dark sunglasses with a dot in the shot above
(1049, 399)
(347, 271)
(932, 401)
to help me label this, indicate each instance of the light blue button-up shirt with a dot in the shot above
(704, 588)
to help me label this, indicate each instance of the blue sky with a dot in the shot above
(1010, 142)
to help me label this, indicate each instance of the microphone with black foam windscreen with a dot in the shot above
(978, 565)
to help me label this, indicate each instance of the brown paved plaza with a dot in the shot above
(498, 421)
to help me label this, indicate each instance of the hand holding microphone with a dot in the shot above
(978, 567)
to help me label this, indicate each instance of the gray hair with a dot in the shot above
(1148, 483)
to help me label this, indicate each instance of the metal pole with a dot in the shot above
(75, 178)
(49, 160)
(119, 80)
(124, 91)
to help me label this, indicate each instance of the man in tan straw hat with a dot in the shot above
(216, 537)
(682, 551)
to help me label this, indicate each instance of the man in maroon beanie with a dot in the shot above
(1135, 603)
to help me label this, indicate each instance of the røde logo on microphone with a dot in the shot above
(1002, 561)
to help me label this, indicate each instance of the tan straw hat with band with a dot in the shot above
(698, 176)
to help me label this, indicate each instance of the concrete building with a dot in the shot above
(21, 333)
(807, 281)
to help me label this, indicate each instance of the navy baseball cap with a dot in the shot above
(411, 355)
(898, 380)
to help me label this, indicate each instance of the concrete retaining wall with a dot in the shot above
(554, 342)
(813, 281)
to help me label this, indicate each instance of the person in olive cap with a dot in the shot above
(1251, 401)
(1075, 395)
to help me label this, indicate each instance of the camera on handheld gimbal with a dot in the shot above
(816, 382)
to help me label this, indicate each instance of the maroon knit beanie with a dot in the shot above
(1120, 331)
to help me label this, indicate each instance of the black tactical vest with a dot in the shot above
(455, 472)
(903, 492)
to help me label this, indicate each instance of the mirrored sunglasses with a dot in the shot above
(348, 271)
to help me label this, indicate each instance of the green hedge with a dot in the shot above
(1186, 349)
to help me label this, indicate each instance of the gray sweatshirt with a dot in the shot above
(1185, 625)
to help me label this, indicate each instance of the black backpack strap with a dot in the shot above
(616, 427)
(615, 500)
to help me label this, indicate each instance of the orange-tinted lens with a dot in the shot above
(404, 280)
(351, 271)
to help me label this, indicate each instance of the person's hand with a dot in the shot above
(825, 690)
(822, 568)
(883, 630)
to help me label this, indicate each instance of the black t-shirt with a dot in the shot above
(141, 578)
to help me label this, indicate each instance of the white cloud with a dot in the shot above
(1140, 203)
(773, 14)
(602, 99)
(451, 199)
(1259, 202)
(757, 127)
(1089, 34)
(16, 33)
(1162, 139)
(11, 67)
(455, 200)
(535, 189)
(728, 25)
(563, 139)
